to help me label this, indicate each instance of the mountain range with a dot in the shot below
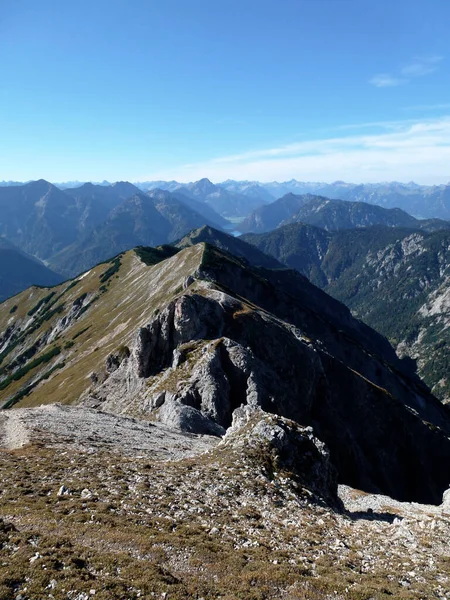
(227, 201)
(72, 230)
(238, 198)
(396, 279)
(421, 201)
(331, 215)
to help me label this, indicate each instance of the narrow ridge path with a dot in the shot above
(13, 433)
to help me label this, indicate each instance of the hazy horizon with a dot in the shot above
(249, 181)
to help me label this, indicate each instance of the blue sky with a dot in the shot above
(357, 90)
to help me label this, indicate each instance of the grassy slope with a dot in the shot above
(120, 306)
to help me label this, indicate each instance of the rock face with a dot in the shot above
(239, 337)
(285, 445)
(396, 280)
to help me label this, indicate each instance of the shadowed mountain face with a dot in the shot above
(18, 271)
(44, 220)
(396, 280)
(41, 219)
(270, 216)
(209, 214)
(107, 196)
(331, 215)
(188, 338)
(140, 220)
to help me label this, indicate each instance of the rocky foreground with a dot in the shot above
(166, 514)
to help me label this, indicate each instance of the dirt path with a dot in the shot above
(13, 433)
(89, 430)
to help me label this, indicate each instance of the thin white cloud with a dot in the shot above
(385, 80)
(418, 70)
(404, 151)
(375, 125)
(420, 66)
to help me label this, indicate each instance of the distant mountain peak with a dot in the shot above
(39, 183)
(205, 185)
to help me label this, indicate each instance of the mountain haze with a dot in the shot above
(41, 219)
(109, 196)
(19, 271)
(226, 202)
(140, 220)
(209, 214)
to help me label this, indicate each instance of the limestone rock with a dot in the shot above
(290, 447)
(63, 491)
(446, 501)
(180, 416)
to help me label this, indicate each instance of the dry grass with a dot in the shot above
(224, 525)
(130, 301)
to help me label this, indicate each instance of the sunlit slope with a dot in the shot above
(61, 335)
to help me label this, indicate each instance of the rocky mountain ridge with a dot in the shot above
(214, 416)
(396, 280)
(177, 338)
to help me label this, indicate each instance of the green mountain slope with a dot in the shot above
(334, 215)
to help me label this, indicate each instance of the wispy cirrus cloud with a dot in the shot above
(418, 67)
(422, 66)
(401, 151)
(385, 80)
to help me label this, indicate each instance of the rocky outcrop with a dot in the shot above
(181, 416)
(209, 353)
(282, 445)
